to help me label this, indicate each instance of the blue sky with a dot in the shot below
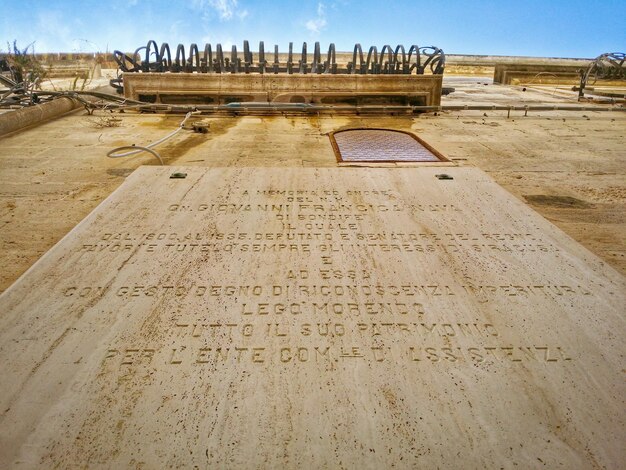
(545, 28)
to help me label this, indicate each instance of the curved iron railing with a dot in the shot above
(152, 58)
(607, 66)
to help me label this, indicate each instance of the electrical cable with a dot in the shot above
(136, 149)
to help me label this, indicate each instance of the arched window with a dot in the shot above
(382, 145)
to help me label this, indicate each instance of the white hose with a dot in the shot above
(148, 148)
(111, 154)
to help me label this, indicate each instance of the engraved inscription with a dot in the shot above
(259, 354)
(332, 305)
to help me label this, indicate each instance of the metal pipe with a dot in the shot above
(19, 119)
(307, 107)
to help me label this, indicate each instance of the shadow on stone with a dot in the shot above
(557, 201)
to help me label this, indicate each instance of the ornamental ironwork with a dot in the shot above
(398, 60)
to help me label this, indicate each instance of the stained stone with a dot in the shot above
(318, 318)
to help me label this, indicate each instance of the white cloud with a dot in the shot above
(317, 24)
(52, 28)
(52, 23)
(175, 28)
(225, 9)
(123, 4)
(227, 45)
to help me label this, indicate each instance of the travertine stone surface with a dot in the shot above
(281, 88)
(54, 175)
(326, 318)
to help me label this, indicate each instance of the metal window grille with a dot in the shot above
(382, 145)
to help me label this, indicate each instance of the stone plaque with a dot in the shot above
(313, 318)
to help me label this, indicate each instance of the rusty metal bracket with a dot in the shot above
(608, 66)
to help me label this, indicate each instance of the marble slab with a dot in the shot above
(313, 318)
